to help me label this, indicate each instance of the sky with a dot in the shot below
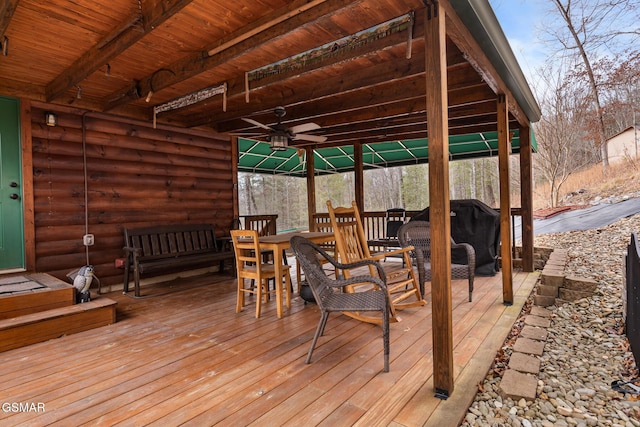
(521, 21)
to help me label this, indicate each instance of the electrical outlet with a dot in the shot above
(88, 240)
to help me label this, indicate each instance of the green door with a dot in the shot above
(11, 223)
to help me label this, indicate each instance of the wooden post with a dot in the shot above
(311, 187)
(526, 197)
(439, 204)
(26, 146)
(235, 156)
(504, 150)
(358, 170)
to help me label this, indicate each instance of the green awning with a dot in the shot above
(257, 157)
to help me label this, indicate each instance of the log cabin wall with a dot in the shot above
(136, 176)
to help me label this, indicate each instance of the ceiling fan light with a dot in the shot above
(279, 142)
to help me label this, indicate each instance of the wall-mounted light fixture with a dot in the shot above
(50, 118)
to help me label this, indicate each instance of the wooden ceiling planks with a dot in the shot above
(109, 55)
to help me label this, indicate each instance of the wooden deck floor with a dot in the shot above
(188, 358)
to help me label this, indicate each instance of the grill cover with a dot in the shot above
(475, 223)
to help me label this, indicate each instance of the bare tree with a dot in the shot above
(563, 143)
(622, 91)
(591, 29)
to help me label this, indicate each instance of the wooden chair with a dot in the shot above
(249, 265)
(417, 234)
(265, 225)
(328, 295)
(351, 247)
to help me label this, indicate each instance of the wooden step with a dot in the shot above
(46, 293)
(54, 323)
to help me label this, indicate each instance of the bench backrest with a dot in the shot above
(160, 241)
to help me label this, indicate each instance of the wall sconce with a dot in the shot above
(50, 118)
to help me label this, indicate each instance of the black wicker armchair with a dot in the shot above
(418, 235)
(329, 293)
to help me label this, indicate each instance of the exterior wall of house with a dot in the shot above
(134, 176)
(623, 147)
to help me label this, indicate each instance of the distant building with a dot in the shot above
(625, 145)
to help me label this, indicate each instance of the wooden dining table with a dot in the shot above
(278, 243)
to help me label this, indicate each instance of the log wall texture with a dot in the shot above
(135, 176)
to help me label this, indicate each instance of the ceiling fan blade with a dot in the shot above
(306, 127)
(254, 122)
(312, 138)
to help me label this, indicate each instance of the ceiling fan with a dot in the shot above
(280, 136)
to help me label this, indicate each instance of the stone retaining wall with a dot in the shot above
(555, 288)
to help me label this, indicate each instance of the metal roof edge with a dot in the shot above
(479, 17)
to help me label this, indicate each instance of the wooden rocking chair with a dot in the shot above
(351, 247)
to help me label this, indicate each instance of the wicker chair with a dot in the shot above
(418, 235)
(329, 293)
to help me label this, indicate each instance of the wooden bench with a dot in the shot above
(165, 248)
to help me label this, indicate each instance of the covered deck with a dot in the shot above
(187, 357)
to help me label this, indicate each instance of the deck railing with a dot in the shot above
(375, 226)
(265, 225)
(374, 223)
(631, 302)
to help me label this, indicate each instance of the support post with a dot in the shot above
(358, 170)
(439, 203)
(526, 198)
(311, 187)
(504, 150)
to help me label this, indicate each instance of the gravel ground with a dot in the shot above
(586, 349)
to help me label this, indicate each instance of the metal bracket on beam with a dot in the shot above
(432, 8)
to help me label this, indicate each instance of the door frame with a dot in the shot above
(28, 205)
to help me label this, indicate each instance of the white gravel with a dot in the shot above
(586, 349)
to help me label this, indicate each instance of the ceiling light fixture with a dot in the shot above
(50, 118)
(279, 142)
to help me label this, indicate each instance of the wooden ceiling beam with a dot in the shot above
(484, 117)
(154, 13)
(19, 89)
(6, 13)
(266, 97)
(404, 119)
(380, 132)
(272, 26)
(263, 100)
(277, 90)
(345, 106)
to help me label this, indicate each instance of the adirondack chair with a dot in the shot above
(351, 247)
